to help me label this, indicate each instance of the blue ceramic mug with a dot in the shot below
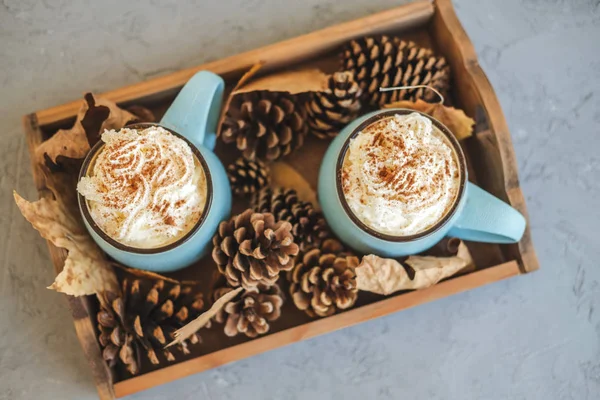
(475, 215)
(193, 117)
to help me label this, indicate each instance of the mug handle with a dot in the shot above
(195, 111)
(486, 218)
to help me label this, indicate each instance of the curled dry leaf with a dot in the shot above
(386, 276)
(86, 270)
(192, 327)
(447, 247)
(142, 113)
(284, 175)
(456, 120)
(292, 82)
(95, 115)
(245, 78)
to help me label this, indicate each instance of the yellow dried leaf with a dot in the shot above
(86, 270)
(95, 115)
(386, 276)
(456, 120)
(293, 82)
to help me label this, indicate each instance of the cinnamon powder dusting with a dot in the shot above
(145, 188)
(400, 175)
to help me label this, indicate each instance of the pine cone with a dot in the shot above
(308, 225)
(323, 281)
(143, 320)
(251, 249)
(247, 177)
(250, 312)
(330, 111)
(265, 125)
(381, 61)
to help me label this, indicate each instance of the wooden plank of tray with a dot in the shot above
(317, 327)
(451, 37)
(452, 40)
(286, 52)
(80, 306)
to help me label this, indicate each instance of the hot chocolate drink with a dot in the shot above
(145, 188)
(400, 175)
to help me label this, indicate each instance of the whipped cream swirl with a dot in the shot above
(146, 188)
(400, 175)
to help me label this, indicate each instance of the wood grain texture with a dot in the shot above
(490, 149)
(502, 178)
(317, 327)
(80, 306)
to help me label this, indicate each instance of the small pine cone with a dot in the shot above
(324, 281)
(330, 111)
(265, 125)
(308, 225)
(251, 249)
(381, 61)
(142, 320)
(277, 201)
(247, 177)
(251, 311)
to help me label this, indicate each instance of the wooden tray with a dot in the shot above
(490, 156)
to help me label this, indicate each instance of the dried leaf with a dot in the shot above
(56, 216)
(284, 175)
(86, 271)
(456, 120)
(245, 78)
(142, 113)
(192, 327)
(447, 247)
(293, 82)
(95, 115)
(386, 276)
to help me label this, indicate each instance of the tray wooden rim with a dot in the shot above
(316, 328)
(442, 14)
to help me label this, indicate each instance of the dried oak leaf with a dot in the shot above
(386, 276)
(56, 218)
(95, 115)
(456, 120)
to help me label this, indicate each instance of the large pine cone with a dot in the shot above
(143, 319)
(251, 311)
(265, 125)
(331, 110)
(381, 61)
(308, 225)
(324, 281)
(251, 249)
(247, 177)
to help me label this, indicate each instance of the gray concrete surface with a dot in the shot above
(534, 337)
